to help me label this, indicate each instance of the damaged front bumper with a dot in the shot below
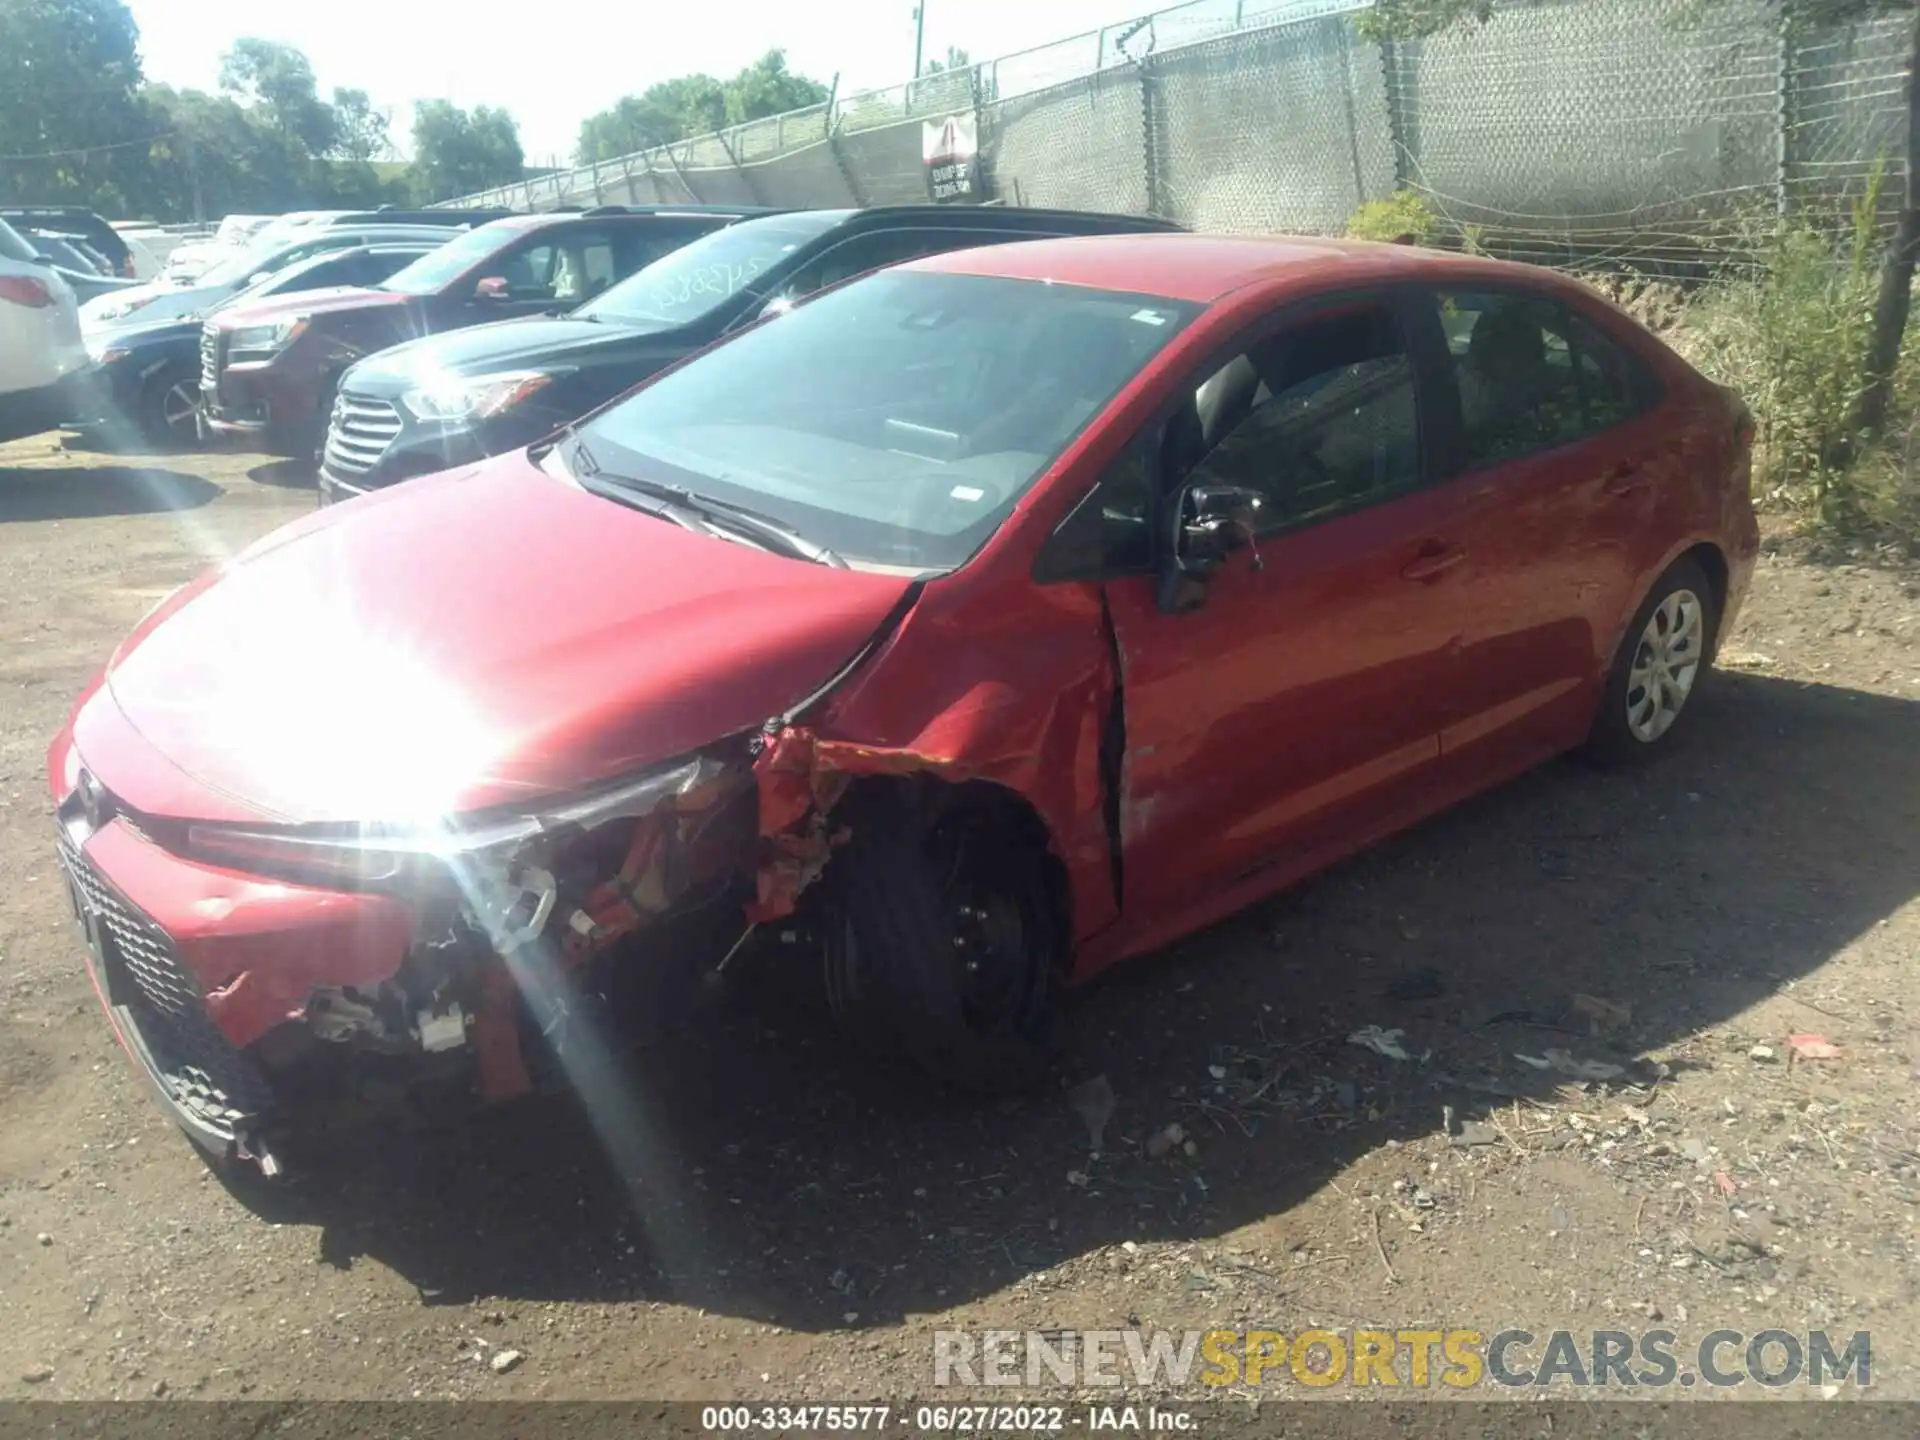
(220, 953)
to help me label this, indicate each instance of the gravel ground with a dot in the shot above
(799, 1227)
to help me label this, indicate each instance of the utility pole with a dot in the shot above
(193, 178)
(919, 35)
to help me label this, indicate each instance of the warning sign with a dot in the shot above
(951, 149)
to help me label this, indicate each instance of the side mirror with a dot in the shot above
(1210, 522)
(494, 287)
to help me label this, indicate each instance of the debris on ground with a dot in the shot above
(1762, 1053)
(1474, 1132)
(1604, 1014)
(1424, 982)
(1093, 1101)
(1164, 1141)
(1381, 1042)
(36, 1374)
(1810, 1047)
(505, 1360)
(1564, 1062)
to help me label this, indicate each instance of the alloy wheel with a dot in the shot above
(180, 409)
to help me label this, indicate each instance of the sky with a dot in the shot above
(553, 67)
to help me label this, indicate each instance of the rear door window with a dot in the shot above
(1533, 375)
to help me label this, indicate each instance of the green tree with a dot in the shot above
(662, 113)
(215, 151)
(360, 132)
(277, 80)
(957, 59)
(768, 87)
(69, 72)
(698, 104)
(457, 152)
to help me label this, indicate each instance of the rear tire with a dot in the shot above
(1664, 657)
(942, 944)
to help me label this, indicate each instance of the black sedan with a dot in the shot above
(148, 375)
(449, 399)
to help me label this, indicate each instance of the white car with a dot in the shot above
(43, 360)
(236, 233)
(140, 243)
(232, 275)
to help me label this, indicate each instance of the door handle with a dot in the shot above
(1435, 559)
(1625, 479)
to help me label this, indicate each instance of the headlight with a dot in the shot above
(262, 341)
(476, 398)
(105, 353)
(376, 855)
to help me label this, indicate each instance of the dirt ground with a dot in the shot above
(801, 1226)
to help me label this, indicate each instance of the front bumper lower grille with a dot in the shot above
(212, 1088)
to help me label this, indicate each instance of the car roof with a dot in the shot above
(576, 212)
(1203, 268)
(645, 212)
(1007, 217)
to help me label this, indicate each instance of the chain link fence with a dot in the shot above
(1559, 130)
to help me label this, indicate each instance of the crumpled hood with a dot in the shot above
(464, 640)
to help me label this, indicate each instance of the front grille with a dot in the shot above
(360, 432)
(194, 1063)
(209, 364)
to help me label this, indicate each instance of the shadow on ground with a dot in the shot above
(117, 436)
(68, 493)
(290, 474)
(781, 1180)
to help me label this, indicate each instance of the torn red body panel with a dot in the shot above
(945, 696)
(258, 947)
(671, 852)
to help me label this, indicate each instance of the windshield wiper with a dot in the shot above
(664, 505)
(782, 536)
(691, 509)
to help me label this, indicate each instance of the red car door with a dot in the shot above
(1561, 451)
(1299, 704)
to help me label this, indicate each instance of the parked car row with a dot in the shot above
(957, 610)
(43, 360)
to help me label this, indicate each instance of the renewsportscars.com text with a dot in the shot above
(1458, 1359)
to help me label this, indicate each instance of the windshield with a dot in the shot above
(430, 274)
(895, 420)
(249, 261)
(696, 279)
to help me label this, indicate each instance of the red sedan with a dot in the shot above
(1003, 614)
